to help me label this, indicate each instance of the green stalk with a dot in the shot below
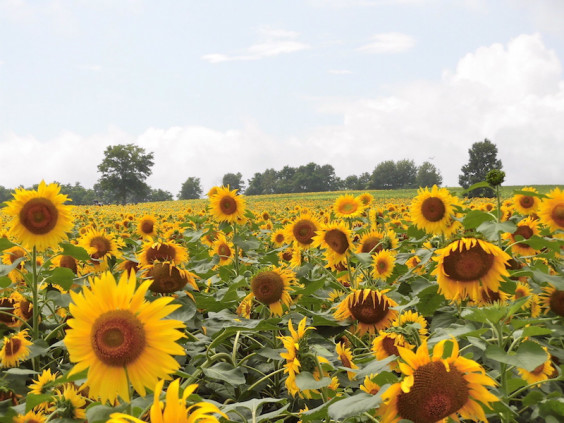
(236, 249)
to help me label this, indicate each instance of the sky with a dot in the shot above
(219, 86)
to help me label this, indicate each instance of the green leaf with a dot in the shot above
(305, 380)
(5, 243)
(484, 315)
(33, 400)
(475, 218)
(246, 244)
(556, 281)
(74, 251)
(5, 281)
(477, 185)
(18, 371)
(491, 230)
(226, 373)
(62, 276)
(429, 300)
(354, 405)
(536, 331)
(528, 356)
(5, 269)
(101, 413)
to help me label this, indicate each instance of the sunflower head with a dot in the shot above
(162, 252)
(551, 210)
(15, 349)
(432, 210)
(226, 205)
(147, 226)
(40, 217)
(168, 278)
(335, 239)
(302, 230)
(272, 287)
(348, 206)
(526, 204)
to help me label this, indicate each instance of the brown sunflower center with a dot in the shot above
(25, 309)
(348, 208)
(287, 255)
(147, 226)
(304, 231)
(130, 266)
(337, 240)
(279, 238)
(525, 231)
(468, 264)
(7, 304)
(435, 394)
(370, 310)
(389, 345)
(161, 252)
(224, 251)
(558, 214)
(369, 244)
(538, 370)
(117, 338)
(12, 346)
(68, 262)
(526, 201)
(433, 209)
(520, 292)
(228, 205)
(557, 302)
(39, 216)
(102, 246)
(267, 287)
(166, 278)
(382, 266)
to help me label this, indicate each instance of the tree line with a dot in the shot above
(125, 168)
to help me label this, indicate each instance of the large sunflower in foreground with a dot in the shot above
(335, 239)
(435, 388)
(432, 210)
(371, 309)
(551, 210)
(348, 206)
(175, 410)
(39, 218)
(226, 205)
(119, 337)
(466, 266)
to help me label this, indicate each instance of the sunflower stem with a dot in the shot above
(262, 379)
(236, 249)
(35, 305)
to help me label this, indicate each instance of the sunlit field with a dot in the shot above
(378, 306)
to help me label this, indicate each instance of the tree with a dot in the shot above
(384, 176)
(5, 194)
(406, 172)
(483, 158)
(124, 170)
(191, 189)
(234, 180)
(428, 175)
(160, 195)
(78, 194)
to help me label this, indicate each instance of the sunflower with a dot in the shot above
(467, 265)
(9, 256)
(39, 218)
(489, 297)
(29, 417)
(335, 239)
(376, 241)
(369, 386)
(526, 204)
(345, 355)
(209, 237)
(168, 251)
(272, 287)
(23, 309)
(383, 264)
(293, 344)
(38, 385)
(348, 206)
(147, 226)
(68, 403)
(371, 309)
(551, 210)
(435, 388)
(226, 205)
(69, 262)
(278, 238)
(542, 372)
(302, 230)
(432, 210)
(366, 198)
(128, 266)
(552, 299)
(175, 410)
(168, 278)
(526, 228)
(121, 338)
(7, 315)
(386, 344)
(15, 348)
(101, 245)
(224, 249)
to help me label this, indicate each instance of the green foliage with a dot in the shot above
(428, 175)
(233, 181)
(191, 189)
(124, 170)
(483, 158)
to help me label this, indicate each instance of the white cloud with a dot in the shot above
(389, 42)
(273, 43)
(339, 71)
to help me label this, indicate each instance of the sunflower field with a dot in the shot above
(348, 307)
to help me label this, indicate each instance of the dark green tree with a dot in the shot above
(191, 189)
(263, 183)
(234, 181)
(406, 172)
(351, 183)
(5, 194)
(483, 158)
(124, 170)
(428, 175)
(384, 176)
(160, 195)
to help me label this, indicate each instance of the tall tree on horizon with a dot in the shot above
(483, 158)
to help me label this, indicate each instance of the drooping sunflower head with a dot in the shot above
(432, 210)
(40, 217)
(335, 239)
(68, 402)
(386, 344)
(168, 251)
(227, 206)
(348, 206)
(69, 262)
(551, 210)
(15, 348)
(120, 337)
(302, 230)
(272, 287)
(346, 357)
(467, 265)
(383, 264)
(526, 204)
(526, 228)
(434, 388)
(147, 226)
(168, 278)
(541, 372)
(371, 310)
